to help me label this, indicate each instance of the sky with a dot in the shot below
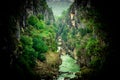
(58, 6)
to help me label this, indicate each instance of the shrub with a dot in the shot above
(93, 47)
(29, 54)
(39, 25)
(35, 22)
(39, 45)
(84, 31)
(41, 57)
(32, 20)
(26, 40)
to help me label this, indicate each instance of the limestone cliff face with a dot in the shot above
(77, 12)
(48, 16)
(79, 17)
(13, 18)
(31, 7)
(37, 7)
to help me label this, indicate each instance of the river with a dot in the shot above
(68, 68)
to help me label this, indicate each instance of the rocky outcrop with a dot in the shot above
(80, 21)
(32, 7)
(12, 19)
(37, 7)
(80, 10)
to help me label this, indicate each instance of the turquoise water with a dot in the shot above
(68, 68)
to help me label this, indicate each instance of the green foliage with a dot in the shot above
(36, 38)
(93, 47)
(41, 57)
(39, 45)
(40, 17)
(36, 22)
(28, 49)
(33, 46)
(84, 31)
(39, 25)
(32, 20)
(33, 32)
(29, 53)
(65, 33)
(26, 40)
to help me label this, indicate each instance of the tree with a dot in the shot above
(40, 47)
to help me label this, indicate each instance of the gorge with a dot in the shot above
(29, 40)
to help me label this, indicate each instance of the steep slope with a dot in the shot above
(14, 22)
(81, 29)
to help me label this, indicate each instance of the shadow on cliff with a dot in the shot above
(108, 11)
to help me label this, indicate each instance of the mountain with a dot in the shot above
(62, 0)
(58, 6)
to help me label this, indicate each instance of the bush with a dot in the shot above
(93, 47)
(41, 57)
(26, 40)
(84, 31)
(39, 25)
(32, 20)
(39, 45)
(29, 54)
(35, 22)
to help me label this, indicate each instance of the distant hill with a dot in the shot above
(58, 6)
(61, 0)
